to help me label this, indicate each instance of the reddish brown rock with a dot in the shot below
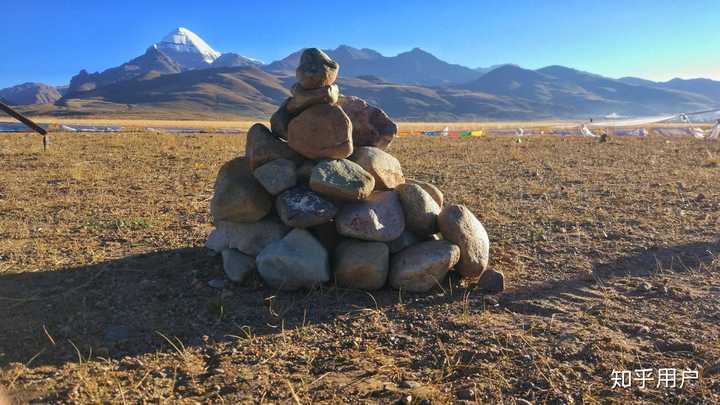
(263, 146)
(238, 196)
(280, 120)
(322, 131)
(371, 126)
(316, 69)
(303, 99)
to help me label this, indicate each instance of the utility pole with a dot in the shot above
(35, 127)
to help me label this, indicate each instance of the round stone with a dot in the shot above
(424, 266)
(420, 209)
(341, 179)
(459, 226)
(300, 207)
(431, 189)
(361, 265)
(379, 218)
(384, 167)
(322, 131)
(316, 69)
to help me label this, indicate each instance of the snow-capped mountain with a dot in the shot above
(187, 49)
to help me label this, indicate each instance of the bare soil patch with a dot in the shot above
(609, 252)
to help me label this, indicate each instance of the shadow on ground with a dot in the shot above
(121, 307)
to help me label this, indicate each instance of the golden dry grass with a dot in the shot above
(105, 232)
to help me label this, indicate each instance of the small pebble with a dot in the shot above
(644, 287)
(466, 394)
(409, 384)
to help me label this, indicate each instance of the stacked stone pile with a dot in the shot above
(316, 199)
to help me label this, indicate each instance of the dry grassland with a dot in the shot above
(609, 251)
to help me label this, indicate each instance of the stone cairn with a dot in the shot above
(317, 199)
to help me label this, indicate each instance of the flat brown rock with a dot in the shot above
(303, 98)
(371, 126)
(322, 131)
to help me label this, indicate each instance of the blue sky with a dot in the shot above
(49, 41)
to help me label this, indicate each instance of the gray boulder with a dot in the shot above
(276, 176)
(420, 209)
(421, 267)
(294, 262)
(238, 196)
(301, 207)
(236, 265)
(342, 179)
(248, 238)
(431, 189)
(361, 265)
(379, 218)
(459, 226)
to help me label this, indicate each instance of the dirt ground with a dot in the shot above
(609, 252)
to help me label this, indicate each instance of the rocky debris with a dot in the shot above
(263, 146)
(361, 265)
(381, 165)
(370, 125)
(316, 69)
(434, 192)
(296, 261)
(342, 179)
(424, 266)
(248, 238)
(405, 240)
(491, 281)
(378, 218)
(280, 120)
(237, 266)
(322, 131)
(459, 226)
(238, 196)
(276, 176)
(421, 211)
(303, 99)
(301, 207)
(339, 198)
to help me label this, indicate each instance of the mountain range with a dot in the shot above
(183, 75)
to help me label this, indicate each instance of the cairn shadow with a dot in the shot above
(128, 307)
(642, 263)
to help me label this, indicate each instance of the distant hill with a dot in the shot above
(557, 91)
(244, 91)
(30, 93)
(182, 75)
(153, 62)
(412, 67)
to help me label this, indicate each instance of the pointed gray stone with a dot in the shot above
(294, 262)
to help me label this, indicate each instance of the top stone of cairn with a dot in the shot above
(316, 69)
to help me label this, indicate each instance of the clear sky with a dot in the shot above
(51, 40)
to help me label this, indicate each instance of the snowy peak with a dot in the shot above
(188, 49)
